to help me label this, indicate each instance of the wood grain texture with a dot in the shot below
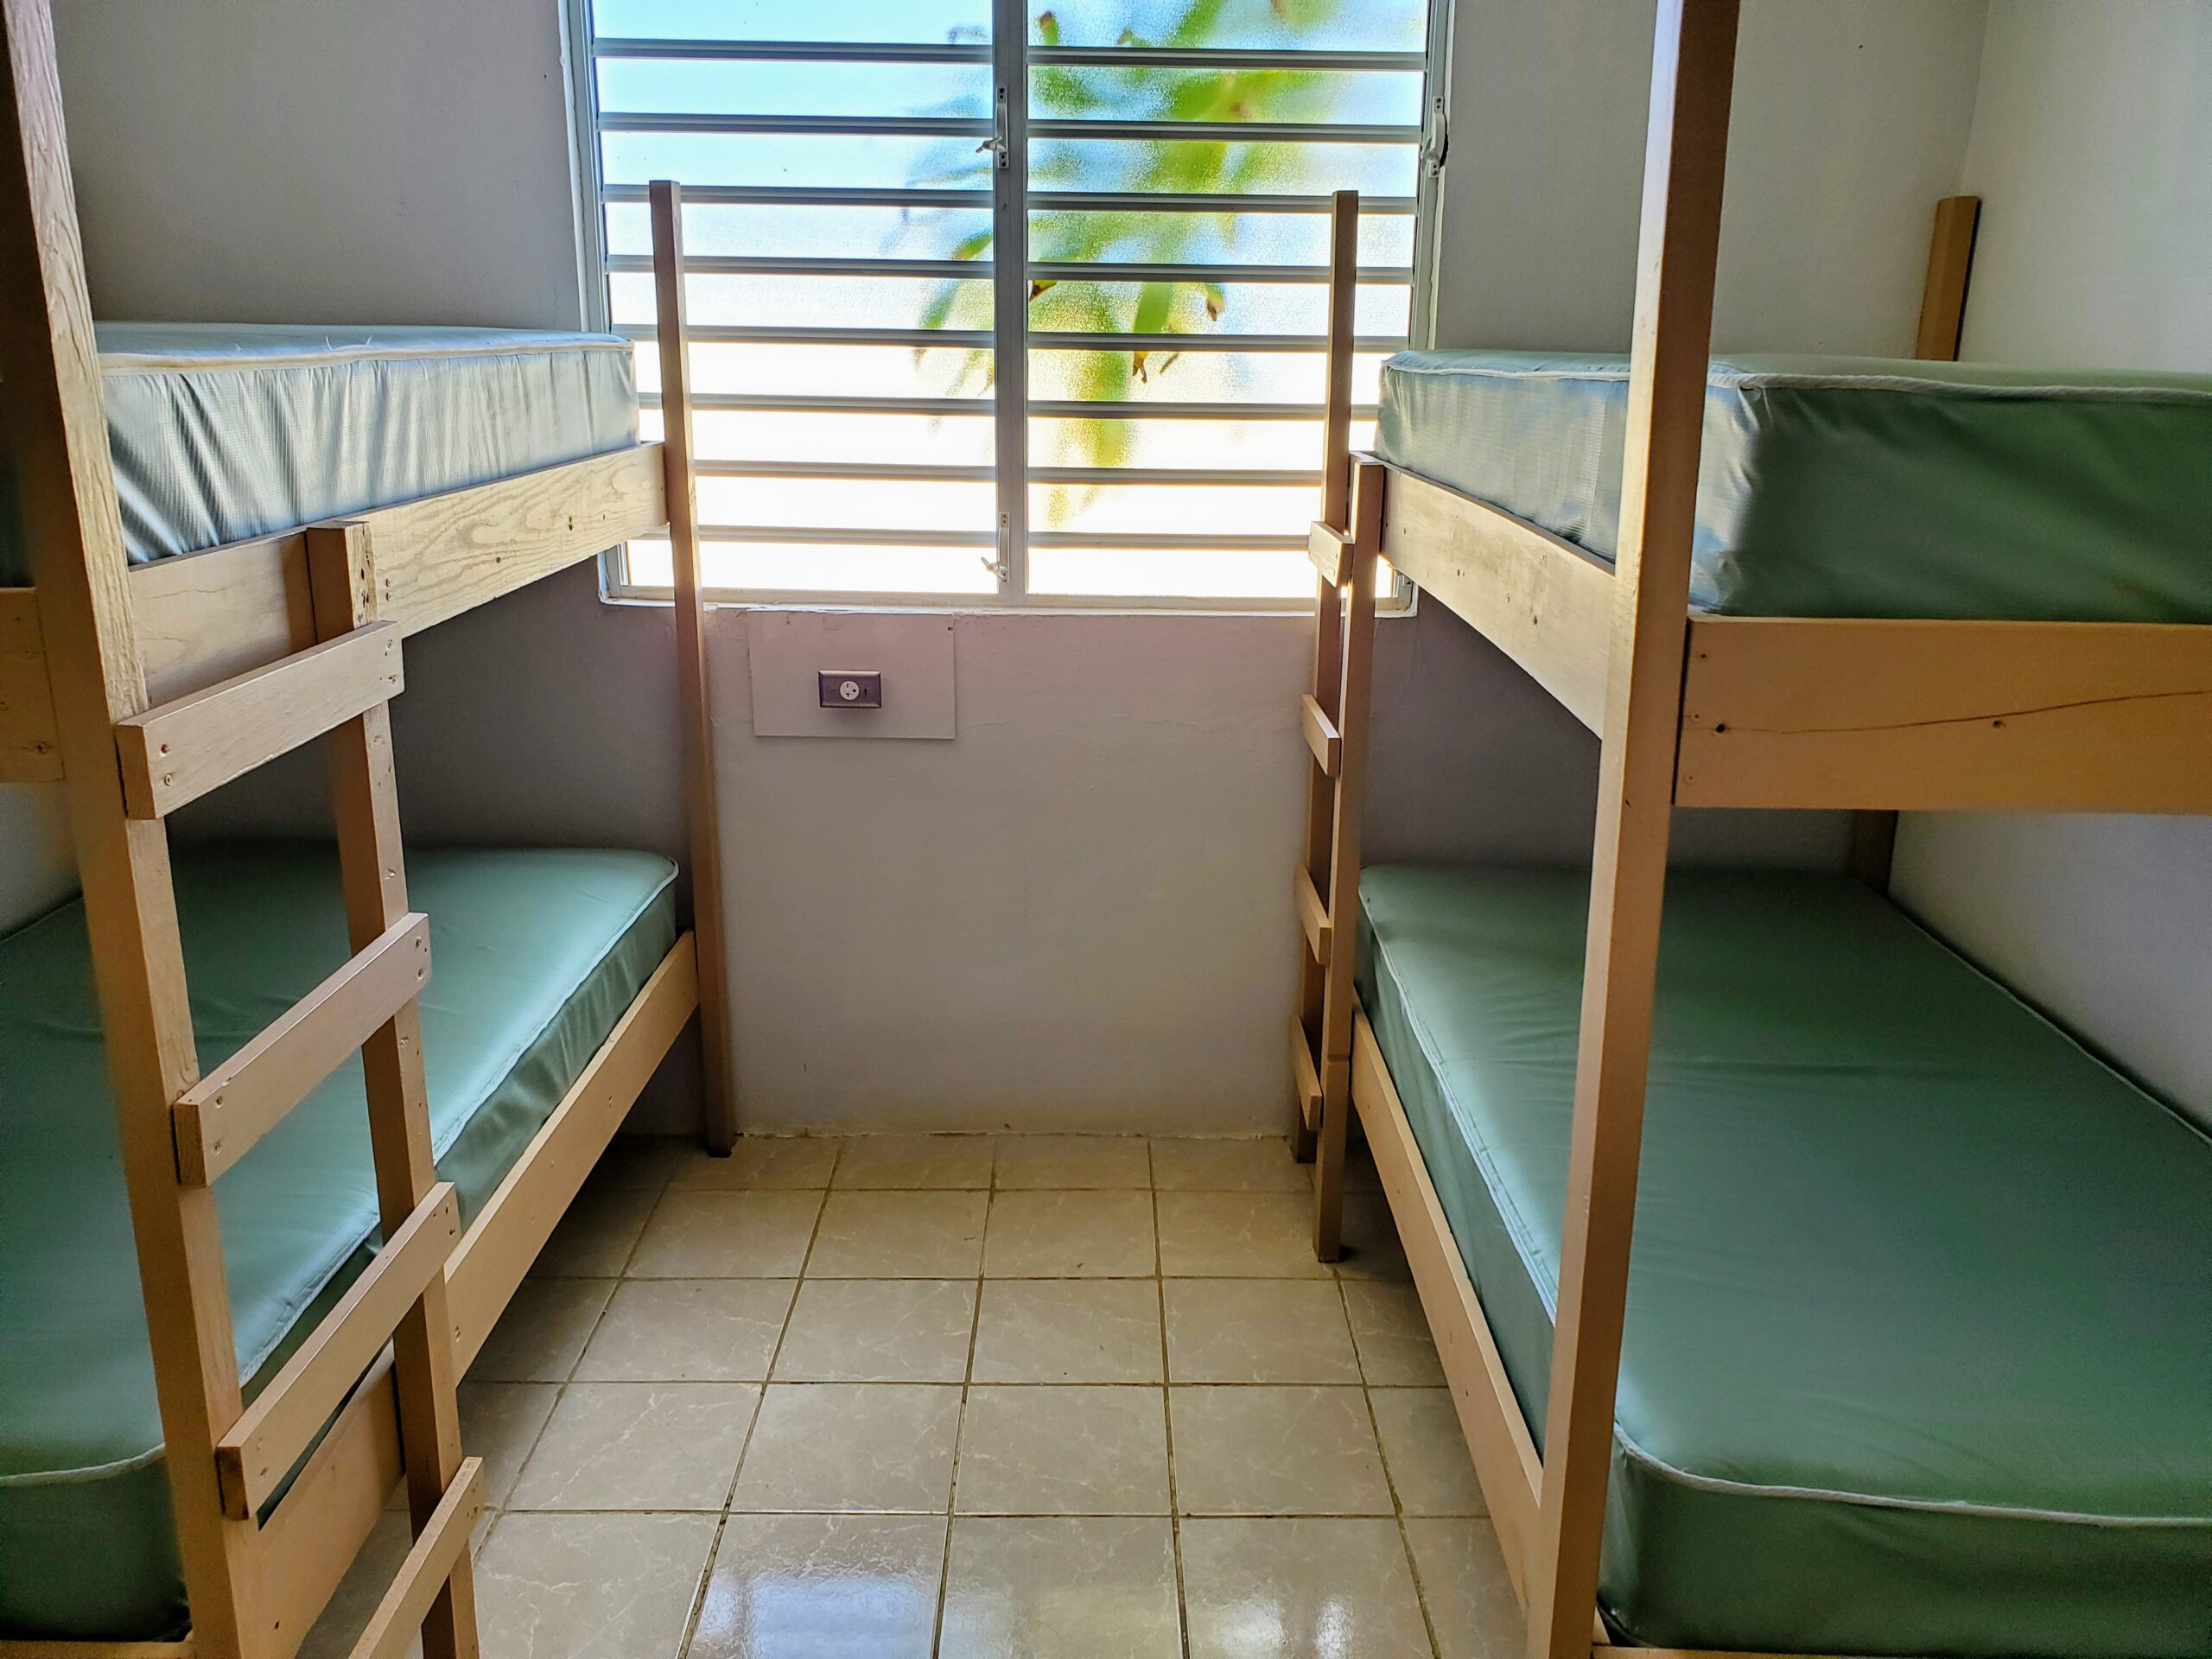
(95, 1649)
(432, 559)
(1304, 1077)
(223, 1114)
(1540, 598)
(1947, 716)
(695, 698)
(1498, 1441)
(1314, 917)
(175, 753)
(1328, 549)
(521, 1214)
(30, 746)
(56, 432)
(441, 1542)
(1685, 156)
(258, 1451)
(1349, 815)
(1950, 265)
(1321, 736)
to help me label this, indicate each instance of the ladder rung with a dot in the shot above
(393, 1627)
(241, 1100)
(177, 753)
(1331, 550)
(1321, 736)
(1304, 1077)
(253, 1458)
(1314, 917)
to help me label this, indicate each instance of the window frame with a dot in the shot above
(1010, 56)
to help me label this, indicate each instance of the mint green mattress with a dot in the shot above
(534, 956)
(1918, 1356)
(1854, 487)
(222, 432)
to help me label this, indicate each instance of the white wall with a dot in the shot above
(1079, 912)
(1850, 119)
(2092, 152)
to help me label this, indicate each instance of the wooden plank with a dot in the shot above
(1370, 481)
(694, 700)
(1329, 547)
(1321, 736)
(1950, 263)
(521, 1214)
(372, 870)
(1542, 600)
(1329, 550)
(1498, 1441)
(30, 748)
(392, 1628)
(1304, 1077)
(432, 559)
(1685, 158)
(95, 1649)
(179, 751)
(206, 617)
(290, 1412)
(241, 1100)
(1314, 917)
(307, 1545)
(1947, 716)
(259, 1450)
(56, 434)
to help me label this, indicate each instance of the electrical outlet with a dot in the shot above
(851, 688)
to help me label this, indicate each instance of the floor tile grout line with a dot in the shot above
(1397, 1502)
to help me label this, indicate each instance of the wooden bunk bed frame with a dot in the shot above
(140, 689)
(1692, 709)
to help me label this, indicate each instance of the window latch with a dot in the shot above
(999, 567)
(1436, 141)
(996, 143)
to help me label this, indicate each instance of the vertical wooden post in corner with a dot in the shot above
(1328, 625)
(1942, 318)
(373, 868)
(56, 430)
(1685, 155)
(694, 707)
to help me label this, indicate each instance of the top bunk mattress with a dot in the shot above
(1918, 1352)
(1854, 487)
(223, 431)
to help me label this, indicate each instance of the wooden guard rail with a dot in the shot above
(253, 1459)
(180, 751)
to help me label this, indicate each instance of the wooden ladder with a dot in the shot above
(1343, 545)
(126, 767)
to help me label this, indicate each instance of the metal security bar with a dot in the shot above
(844, 349)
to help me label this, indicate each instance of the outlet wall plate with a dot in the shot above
(858, 689)
(792, 653)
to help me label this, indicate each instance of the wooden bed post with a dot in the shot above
(50, 386)
(1942, 316)
(1685, 158)
(694, 707)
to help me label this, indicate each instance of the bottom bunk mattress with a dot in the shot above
(535, 955)
(1918, 1356)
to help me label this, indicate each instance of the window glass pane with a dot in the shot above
(772, 86)
(1209, 309)
(848, 504)
(1236, 93)
(1313, 25)
(811, 230)
(813, 370)
(774, 301)
(1120, 236)
(1196, 377)
(1241, 445)
(816, 160)
(1173, 509)
(1256, 168)
(822, 567)
(1179, 573)
(925, 22)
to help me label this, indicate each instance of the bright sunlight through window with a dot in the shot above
(1001, 304)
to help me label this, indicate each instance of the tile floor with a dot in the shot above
(949, 1398)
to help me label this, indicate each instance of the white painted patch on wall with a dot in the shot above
(791, 649)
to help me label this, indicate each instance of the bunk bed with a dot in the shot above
(1916, 1352)
(242, 1270)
